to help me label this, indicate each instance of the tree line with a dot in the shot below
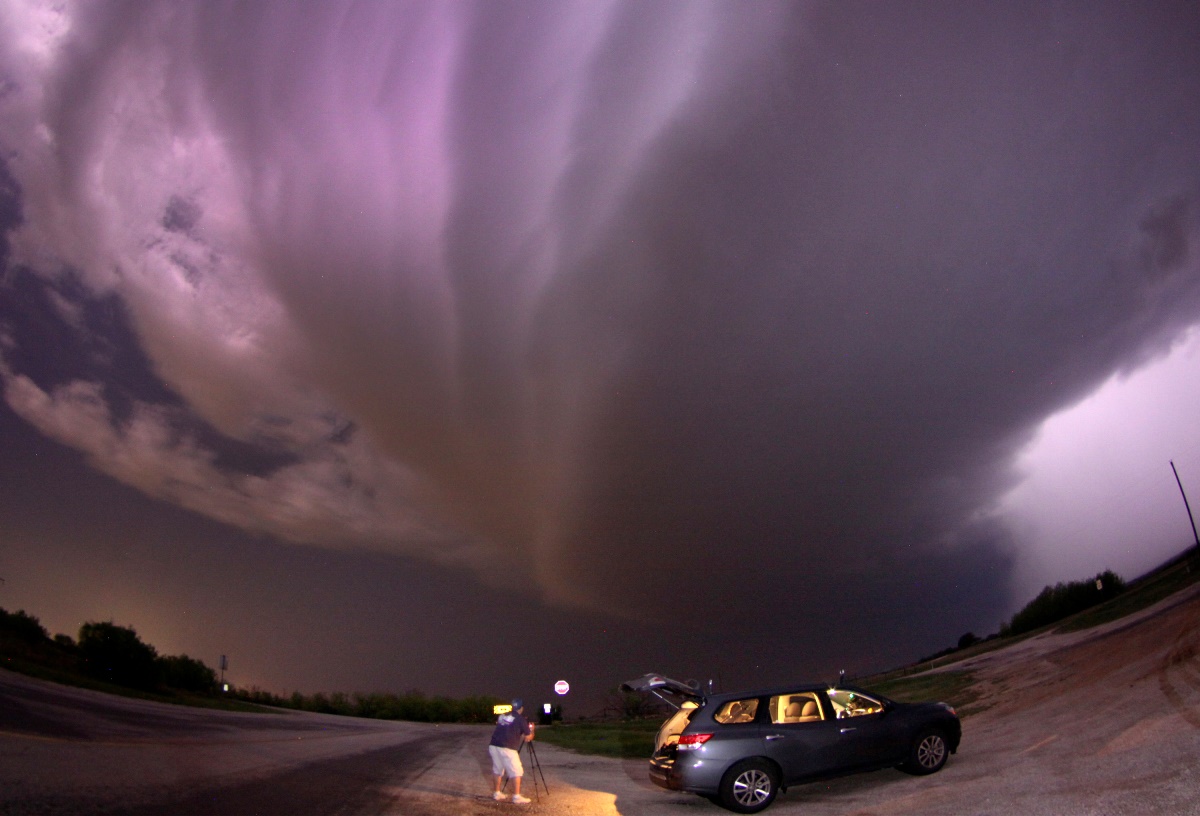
(1052, 604)
(103, 651)
(116, 656)
(1063, 600)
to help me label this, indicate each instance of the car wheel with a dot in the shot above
(928, 754)
(749, 786)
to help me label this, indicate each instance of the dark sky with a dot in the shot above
(470, 346)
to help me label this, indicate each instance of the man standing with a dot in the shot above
(512, 729)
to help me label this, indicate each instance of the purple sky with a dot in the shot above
(470, 346)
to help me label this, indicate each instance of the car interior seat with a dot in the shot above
(801, 709)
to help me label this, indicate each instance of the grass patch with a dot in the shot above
(953, 687)
(632, 739)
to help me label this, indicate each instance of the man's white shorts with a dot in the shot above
(505, 761)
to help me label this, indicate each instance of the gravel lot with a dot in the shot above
(1105, 721)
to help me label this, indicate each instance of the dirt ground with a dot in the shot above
(1104, 722)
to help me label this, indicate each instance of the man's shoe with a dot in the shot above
(498, 796)
(518, 799)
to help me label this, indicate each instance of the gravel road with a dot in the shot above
(1104, 722)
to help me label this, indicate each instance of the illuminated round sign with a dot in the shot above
(562, 687)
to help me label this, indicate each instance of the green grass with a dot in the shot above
(953, 687)
(633, 739)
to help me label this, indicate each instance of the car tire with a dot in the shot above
(749, 786)
(928, 754)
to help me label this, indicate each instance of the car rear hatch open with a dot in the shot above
(673, 692)
(685, 698)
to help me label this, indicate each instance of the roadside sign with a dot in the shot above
(562, 687)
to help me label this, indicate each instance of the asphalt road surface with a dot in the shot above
(1104, 722)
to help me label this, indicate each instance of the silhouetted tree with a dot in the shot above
(22, 626)
(186, 674)
(116, 654)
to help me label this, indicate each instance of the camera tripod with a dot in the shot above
(535, 769)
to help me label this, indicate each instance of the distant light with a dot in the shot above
(225, 687)
(562, 687)
(546, 707)
(503, 708)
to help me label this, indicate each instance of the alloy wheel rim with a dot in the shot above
(752, 787)
(931, 751)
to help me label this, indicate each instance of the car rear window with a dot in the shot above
(737, 711)
(797, 707)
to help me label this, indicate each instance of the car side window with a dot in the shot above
(797, 707)
(737, 711)
(852, 704)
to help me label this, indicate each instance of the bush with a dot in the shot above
(22, 627)
(117, 655)
(1063, 600)
(186, 674)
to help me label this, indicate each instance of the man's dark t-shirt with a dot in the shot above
(511, 730)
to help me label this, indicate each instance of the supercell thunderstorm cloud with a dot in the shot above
(743, 311)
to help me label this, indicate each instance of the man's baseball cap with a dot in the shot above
(518, 703)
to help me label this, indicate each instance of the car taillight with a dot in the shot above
(691, 742)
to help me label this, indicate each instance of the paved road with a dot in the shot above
(1098, 723)
(65, 750)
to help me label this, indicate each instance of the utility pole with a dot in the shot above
(1187, 506)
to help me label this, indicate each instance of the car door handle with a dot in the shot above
(776, 736)
(848, 730)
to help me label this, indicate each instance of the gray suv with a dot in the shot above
(741, 749)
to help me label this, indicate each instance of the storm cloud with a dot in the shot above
(760, 301)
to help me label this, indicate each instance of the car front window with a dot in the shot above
(737, 711)
(853, 704)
